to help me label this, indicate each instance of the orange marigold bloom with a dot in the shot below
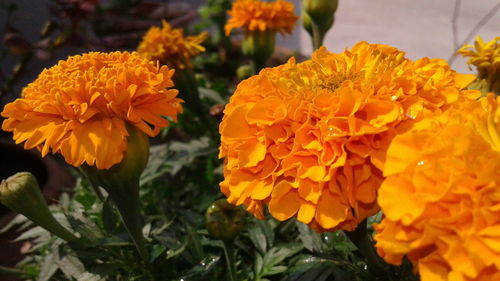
(170, 47)
(309, 139)
(441, 198)
(82, 106)
(256, 15)
(483, 54)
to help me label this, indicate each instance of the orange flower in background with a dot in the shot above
(441, 198)
(170, 47)
(82, 106)
(483, 54)
(486, 58)
(255, 15)
(309, 139)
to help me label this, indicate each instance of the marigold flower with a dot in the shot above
(441, 197)
(170, 47)
(256, 15)
(309, 139)
(81, 106)
(482, 54)
(486, 58)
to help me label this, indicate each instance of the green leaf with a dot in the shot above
(211, 95)
(48, 268)
(156, 251)
(258, 238)
(35, 232)
(310, 239)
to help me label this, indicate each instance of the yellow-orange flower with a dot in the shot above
(81, 107)
(309, 139)
(170, 47)
(483, 54)
(256, 15)
(441, 198)
(486, 58)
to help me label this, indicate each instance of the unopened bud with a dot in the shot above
(224, 221)
(320, 11)
(21, 194)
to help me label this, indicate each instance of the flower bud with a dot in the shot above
(317, 18)
(243, 72)
(259, 46)
(224, 221)
(21, 194)
(321, 11)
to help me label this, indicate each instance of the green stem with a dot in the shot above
(365, 245)
(318, 36)
(230, 260)
(128, 206)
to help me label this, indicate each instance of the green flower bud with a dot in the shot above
(121, 182)
(317, 18)
(21, 194)
(259, 46)
(321, 11)
(307, 24)
(224, 221)
(243, 72)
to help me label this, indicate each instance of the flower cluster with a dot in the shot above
(256, 15)
(441, 198)
(169, 46)
(309, 139)
(81, 107)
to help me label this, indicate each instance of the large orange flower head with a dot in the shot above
(441, 198)
(256, 15)
(82, 106)
(309, 139)
(170, 47)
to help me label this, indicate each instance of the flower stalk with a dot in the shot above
(121, 182)
(363, 241)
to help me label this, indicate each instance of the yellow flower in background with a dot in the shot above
(170, 47)
(255, 15)
(486, 58)
(309, 139)
(482, 54)
(82, 106)
(441, 198)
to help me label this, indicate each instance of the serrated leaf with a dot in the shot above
(276, 269)
(157, 251)
(258, 239)
(211, 95)
(48, 268)
(71, 266)
(33, 233)
(258, 265)
(310, 239)
(87, 276)
(19, 219)
(175, 252)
